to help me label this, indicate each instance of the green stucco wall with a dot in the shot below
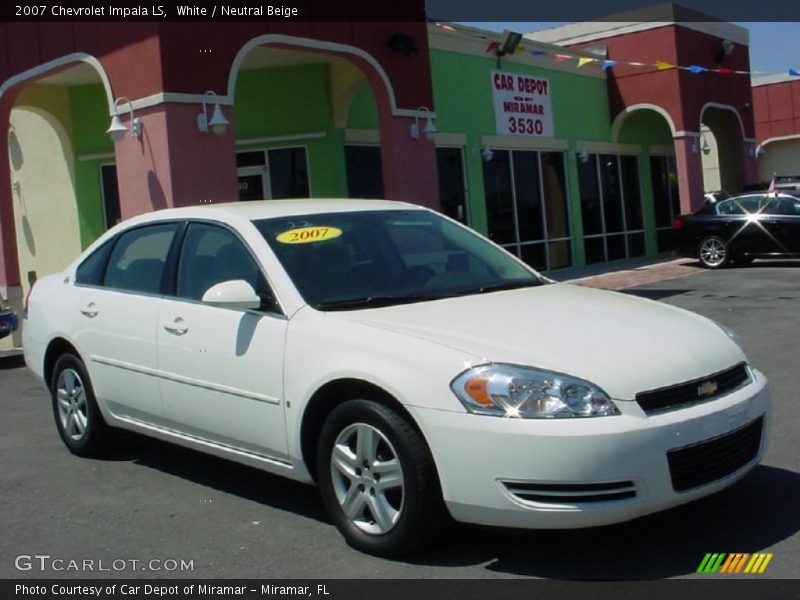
(89, 110)
(291, 101)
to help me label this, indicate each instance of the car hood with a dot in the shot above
(620, 342)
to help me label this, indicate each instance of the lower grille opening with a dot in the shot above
(571, 493)
(705, 462)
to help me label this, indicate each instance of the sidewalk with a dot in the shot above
(629, 273)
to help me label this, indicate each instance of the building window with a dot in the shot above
(364, 171)
(452, 189)
(611, 207)
(526, 206)
(664, 177)
(110, 190)
(273, 174)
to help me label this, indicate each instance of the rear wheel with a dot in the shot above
(713, 252)
(78, 419)
(378, 480)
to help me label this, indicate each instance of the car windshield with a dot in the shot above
(366, 259)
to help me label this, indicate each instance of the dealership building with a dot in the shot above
(545, 150)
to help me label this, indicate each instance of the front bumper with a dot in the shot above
(482, 459)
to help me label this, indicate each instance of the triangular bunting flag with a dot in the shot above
(561, 57)
(725, 71)
(538, 52)
(607, 64)
(493, 46)
(663, 66)
(697, 69)
(794, 73)
(583, 60)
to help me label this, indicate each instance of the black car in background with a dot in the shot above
(739, 229)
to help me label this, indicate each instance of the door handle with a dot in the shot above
(90, 310)
(178, 327)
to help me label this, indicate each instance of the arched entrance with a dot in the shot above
(291, 100)
(652, 128)
(57, 151)
(722, 148)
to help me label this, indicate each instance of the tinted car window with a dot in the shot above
(740, 206)
(92, 270)
(137, 261)
(783, 206)
(212, 254)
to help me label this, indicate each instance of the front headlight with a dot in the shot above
(526, 393)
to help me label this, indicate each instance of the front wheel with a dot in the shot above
(713, 252)
(378, 480)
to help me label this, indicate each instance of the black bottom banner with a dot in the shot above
(389, 589)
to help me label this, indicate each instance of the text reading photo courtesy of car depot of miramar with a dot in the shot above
(181, 10)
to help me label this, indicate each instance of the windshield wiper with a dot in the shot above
(498, 287)
(375, 301)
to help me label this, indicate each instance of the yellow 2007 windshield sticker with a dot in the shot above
(306, 235)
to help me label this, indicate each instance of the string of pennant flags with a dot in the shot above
(606, 64)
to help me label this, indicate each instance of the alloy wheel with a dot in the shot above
(367, 478)
(72, 406)
(713, 252)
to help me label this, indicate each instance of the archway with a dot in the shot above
(721, 147)
(56, 119)
(652, 128)
(292, 93)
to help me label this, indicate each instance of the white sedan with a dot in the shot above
(410, 368)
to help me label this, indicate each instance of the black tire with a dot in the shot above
(713, 252)
(81, 425)
(420, 512)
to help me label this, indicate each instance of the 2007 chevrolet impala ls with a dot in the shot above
(402, 362)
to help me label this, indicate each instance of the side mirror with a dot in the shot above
(236, 293)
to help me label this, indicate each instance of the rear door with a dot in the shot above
(222, 369)
(119, 287)
(741, 220)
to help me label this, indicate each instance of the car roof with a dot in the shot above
(254, 210)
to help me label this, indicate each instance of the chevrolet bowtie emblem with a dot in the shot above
(706, 389)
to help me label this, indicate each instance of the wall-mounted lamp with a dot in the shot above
(218, 124)
(725, 49)
(486, 154)
(760, 152)
(706, 147)
(116, 131)
(509, 43)
(429, 131)
(583, 156)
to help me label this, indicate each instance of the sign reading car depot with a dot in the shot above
(521, 104)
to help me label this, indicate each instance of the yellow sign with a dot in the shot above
(306, 235)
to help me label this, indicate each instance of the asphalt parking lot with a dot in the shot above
(151, 500)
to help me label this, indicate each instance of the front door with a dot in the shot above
(222, 369)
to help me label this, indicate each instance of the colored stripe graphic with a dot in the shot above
(758, 564)
(711, 563)
(734, 563)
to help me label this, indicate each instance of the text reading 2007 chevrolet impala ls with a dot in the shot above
(402, 362)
